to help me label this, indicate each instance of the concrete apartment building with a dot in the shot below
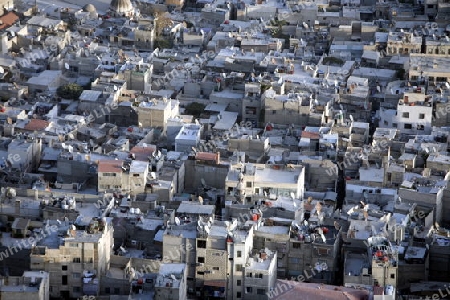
(403, 43)
(188, 137)
(260, 275)
(413, 115)
(384, 262)
(31, 285)
(77, 261)
(429, 67)
(247, 183)
(313, 246)
(28, 152)
(156, 112)
(223, 253)
(275, 238)
(138, 176)
(112, 176)
(171, 282)
(286, 109)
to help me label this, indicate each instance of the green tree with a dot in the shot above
(194, 109)
(70, 91)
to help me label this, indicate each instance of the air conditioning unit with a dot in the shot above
(365, 271)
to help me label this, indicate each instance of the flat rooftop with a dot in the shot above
(195, 208)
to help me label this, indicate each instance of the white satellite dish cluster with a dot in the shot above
(204, 226)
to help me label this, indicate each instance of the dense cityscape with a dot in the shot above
(212, 149)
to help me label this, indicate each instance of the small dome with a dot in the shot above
(89, 8)
(121, 6)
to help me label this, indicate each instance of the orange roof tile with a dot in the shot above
(142, 153)
(8, 20)
(110, 166)
(311, 135)
(206, 156)
(36, 125)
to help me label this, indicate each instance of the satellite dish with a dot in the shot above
(200, 199)
(66, 65)
(2, 70)
(324, 239)
(203, 182)
(292, 195)
(173, 277)
(177, 221)
(207, 230)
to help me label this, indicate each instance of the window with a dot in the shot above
(239, 253)
(90, 260)
(107, 290)
(239, 283)
(392, 276)
(201, 260)
(407, 126)
(135, 175)
(238, 267)
(76, 275)
(73, 245)
(216, 268)
(64, 268)
(420, 127)
(422, 116)
(249, 184)
(394, 125)
(249, 290)
(296, 245)
(109, 174)
(117, 291)
(385, 122)
(294, 260)
(200, 273)
(238, 295)
(201, 244)
(261, 291)
(76, 260)
(64, 280)
(76, 289)
(249, 275)
(405, 115)
(274, 112)
(322, 251)
(260, 276)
